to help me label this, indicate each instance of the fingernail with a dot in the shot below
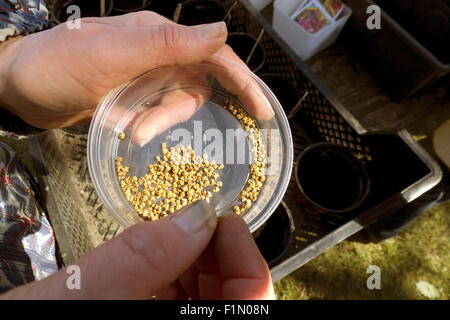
(195, 217)
(213, 30)
(143, 134)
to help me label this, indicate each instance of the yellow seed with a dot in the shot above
(180, 176)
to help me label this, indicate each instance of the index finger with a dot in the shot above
(237, 78)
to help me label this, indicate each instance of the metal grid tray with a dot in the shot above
(399, 169)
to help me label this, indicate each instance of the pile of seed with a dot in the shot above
(258, 165)
(178, 179)
(182, 177)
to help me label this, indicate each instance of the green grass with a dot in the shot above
(420, 253)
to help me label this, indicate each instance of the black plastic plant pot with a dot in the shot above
(195, 12)
(275, 235)
(283, 89)
(242, 44)
(330, 179)
(127, 6)
(88, 8)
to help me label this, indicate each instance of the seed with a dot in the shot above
(121, 136)
(257, 173)
(176, 185)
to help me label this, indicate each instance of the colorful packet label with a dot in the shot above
(333, 7)
(300, 7)
(311, 17)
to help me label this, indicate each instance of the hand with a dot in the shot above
(167, 258)
(194, 89)
(56, 78)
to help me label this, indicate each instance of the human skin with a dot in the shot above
(56, 78)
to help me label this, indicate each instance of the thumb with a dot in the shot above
(178, 44)
(149, 47)
(137, 263)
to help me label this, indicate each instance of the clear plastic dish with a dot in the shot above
(184, 105)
